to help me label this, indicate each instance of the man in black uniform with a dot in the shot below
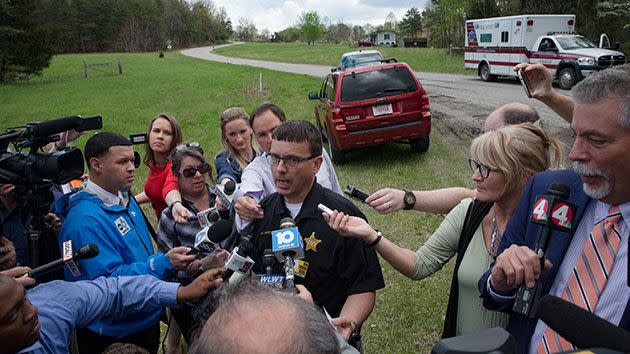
(342, 274)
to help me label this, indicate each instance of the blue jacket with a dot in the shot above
(520, 231)
(228, 167)
(125, 249)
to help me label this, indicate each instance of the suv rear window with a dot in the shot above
(377, 83)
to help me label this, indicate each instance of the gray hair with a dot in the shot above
(610, 83)
(302, 329)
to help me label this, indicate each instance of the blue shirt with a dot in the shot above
(64, 306)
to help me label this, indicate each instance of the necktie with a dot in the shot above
(589, 276)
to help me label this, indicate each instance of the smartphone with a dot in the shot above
(324, 209)
(523, 79)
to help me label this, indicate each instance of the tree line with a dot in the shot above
(31, 31)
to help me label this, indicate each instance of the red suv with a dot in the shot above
(372, 105)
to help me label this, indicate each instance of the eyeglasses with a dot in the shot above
(183, 146)
(484, 171)
(190, 172)
(291, 161)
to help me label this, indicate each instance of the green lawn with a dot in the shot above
(420, 59)
(408, 316)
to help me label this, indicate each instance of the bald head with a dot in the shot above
(253, 319)
(509, 114)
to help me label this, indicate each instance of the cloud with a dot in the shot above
(276, 15)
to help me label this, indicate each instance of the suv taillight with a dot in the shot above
(424, 101)
(337, 118)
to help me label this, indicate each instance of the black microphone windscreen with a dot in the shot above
(287, 222)
(229, 187)
(219, 231)
(88, 251)
(268, 253)
(581, 328)
(560, 190)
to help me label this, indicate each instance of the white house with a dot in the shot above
(384, 37)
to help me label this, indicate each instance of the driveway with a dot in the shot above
(459, 103)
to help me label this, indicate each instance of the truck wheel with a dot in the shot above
(567, 78)
(484, 73)
(420, 145)
(337, 156)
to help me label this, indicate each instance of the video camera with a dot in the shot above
(33, 167)
(34, 172)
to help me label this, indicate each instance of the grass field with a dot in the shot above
(420, 59)
(409, 315)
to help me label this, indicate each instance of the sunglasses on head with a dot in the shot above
(183, 146)
(189, 172)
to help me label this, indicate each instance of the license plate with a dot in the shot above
(382, 109)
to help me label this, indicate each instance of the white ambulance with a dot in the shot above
(495, 45)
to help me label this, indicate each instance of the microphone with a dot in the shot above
(582, 328)
(553, 212)
(225, 192)
(56, 126)
(288, 245)
(239, 263)
(269, 259)
(88, 251)
(208, 239)
(270, 280)
(206, 217)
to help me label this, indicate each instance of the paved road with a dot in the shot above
(459, 103)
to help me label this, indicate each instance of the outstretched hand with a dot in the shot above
(180, 213)
(179, 258)
(349, 226)
(387, 200)
(201, 285)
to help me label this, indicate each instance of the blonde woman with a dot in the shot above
(501, 161)
(238, 151)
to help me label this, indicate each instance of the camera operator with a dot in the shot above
(189, 168)
(42, 319)
(12, 223)
(103, 213)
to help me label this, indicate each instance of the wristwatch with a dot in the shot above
(409, 199)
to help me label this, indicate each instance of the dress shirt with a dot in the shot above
(613, 299)
(65, 306)
(108, 198)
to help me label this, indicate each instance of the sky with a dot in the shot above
(276, 15)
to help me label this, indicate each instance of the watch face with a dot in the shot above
(410, 199)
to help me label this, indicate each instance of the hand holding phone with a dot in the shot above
(523, 79)
(324, 209)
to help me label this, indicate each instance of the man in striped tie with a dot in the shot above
(587, 266)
